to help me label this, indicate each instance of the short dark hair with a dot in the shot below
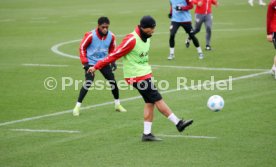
(103, 20)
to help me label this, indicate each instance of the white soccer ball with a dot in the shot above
(215, 103)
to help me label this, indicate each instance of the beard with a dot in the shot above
(144, 36)
(101, 33)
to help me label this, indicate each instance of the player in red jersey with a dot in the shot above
(95, 46)
(203, 14)
(134, 51)
(271, 29)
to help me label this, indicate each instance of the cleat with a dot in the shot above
(187, 43)
(262, 4)
(251, 2)
(208, 48)
(273, 72)
(171, 56)
(150, 137)
(182, 124)
(76, 111)
(200, 56)
(120, 108)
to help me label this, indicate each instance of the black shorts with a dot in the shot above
(187, 26)
(106, 72)
(148, 91)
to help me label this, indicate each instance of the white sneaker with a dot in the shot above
(262, 3)
(250, 2)
(76, 111)
(171, 56)
(200, 56)
(273, 72)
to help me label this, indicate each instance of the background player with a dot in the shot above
(180, 16)
(203, 14)
(271, 28)
(95, 46)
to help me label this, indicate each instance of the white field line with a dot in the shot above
(184, 136)
(213, 83)
(208, 68)
(159, 66)
(44, 65)
(39, 18)
(200, 68)
(46, 130)
(7, 20)
(128, 99)
(56, 50)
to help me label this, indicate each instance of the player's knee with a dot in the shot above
(192, 36)
(208, 29)
(197, 30)
(87, 84)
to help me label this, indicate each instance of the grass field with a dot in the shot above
(42, 32)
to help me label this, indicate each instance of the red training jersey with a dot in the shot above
(86, 41)
(271, 17)
(206, 7)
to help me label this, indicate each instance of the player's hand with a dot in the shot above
(169, 15)
(113, 66)
(178, 8)
(91, 70)
(269, 37)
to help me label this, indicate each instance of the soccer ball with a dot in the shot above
(215, 103)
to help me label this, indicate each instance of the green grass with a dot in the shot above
(244, 129)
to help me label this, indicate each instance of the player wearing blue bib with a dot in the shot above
(95, 46)
(180, 16)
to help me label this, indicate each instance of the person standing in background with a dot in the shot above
(95, 46)
(180, 16)
(271, 29)
(203, 14)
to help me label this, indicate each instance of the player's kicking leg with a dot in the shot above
(153, 98)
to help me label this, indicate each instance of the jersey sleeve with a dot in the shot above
(86, 41)
(124, 48)
(269, 17)
(189, 5)
(112, 44)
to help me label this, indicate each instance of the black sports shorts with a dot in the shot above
(148, 91)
